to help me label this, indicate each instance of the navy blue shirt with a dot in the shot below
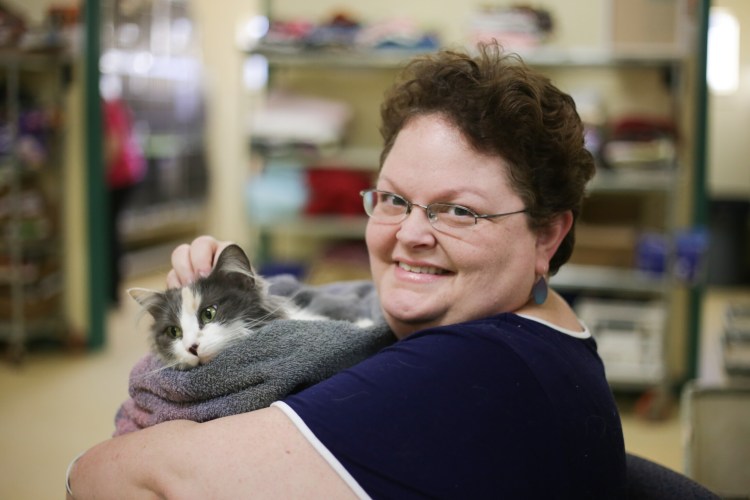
(504, 407)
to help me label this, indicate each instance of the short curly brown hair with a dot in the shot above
(504, 108)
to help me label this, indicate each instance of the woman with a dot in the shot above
(494, 389)
(126, 169)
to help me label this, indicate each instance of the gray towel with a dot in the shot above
(281, 358)
(347, 300)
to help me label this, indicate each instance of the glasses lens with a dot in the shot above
(384, 206)
(368, 200)
(447, 214)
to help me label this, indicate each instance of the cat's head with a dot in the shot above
(194, 323)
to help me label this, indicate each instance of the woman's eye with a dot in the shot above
(392, 199)
(459, 211)
(208, 314)
(173, 331)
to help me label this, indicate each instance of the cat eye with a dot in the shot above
(173, 331)
(208, 314)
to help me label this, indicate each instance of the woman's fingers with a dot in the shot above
(194, 260)
(182, 269)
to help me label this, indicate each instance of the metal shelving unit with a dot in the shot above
(632, 309)
(576, 279)
(31, 253)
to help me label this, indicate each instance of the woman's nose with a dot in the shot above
(416, 228)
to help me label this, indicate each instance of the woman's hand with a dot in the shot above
(194, 260)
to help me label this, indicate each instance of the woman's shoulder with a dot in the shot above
(507, 342)
(504, 329)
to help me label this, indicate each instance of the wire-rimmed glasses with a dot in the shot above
(390, 208)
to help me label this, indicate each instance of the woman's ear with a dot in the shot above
(549, 239)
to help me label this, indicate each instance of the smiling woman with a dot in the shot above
(494, 388)
(500, 258)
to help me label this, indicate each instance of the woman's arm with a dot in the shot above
(253, 455)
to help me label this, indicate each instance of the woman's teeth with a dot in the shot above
(421, 269)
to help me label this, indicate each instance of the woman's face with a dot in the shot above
(426, 277)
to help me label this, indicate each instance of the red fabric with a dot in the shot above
(126, 165)
(335, 191)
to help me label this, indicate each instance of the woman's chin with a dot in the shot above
(408, 320)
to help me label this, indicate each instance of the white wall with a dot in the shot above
(729, 122)
(226, 141)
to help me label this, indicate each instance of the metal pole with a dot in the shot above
(98, 245)
(700, 198)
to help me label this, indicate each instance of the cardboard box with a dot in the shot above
(600, 245)
(649, 26)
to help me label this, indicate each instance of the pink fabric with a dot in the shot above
(127, 167)
(159, 395)
(130, 416)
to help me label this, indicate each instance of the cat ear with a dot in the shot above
(233, 260)
(142, 295)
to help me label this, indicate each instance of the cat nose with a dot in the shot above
(193, 349)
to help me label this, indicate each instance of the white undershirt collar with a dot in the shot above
(585, 334)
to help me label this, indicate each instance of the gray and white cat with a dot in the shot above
(194, 323)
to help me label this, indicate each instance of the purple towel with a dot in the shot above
(281, 358)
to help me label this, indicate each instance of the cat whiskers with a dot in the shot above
(267, 318)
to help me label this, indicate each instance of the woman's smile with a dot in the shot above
(421, 269)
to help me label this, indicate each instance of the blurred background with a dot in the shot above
(130, 126)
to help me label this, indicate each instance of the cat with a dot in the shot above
(193, 324)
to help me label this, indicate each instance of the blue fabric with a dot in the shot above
(503, 407)
(648, 480)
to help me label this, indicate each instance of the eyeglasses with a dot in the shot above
(390, 208)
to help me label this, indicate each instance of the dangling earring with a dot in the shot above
(539, 291)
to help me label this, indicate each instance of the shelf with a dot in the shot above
(31, 301)
(633, 381)
(145, 226)
(346, 158)
(337, 226)
(41, 327)
(576, 277)
(37, 247)
(346, 59)
(549, 57)
(32, 61)
(633, 181)
(350, 158)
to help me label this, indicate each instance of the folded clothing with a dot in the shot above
(281, 358)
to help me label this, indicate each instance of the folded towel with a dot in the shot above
(281, 358)
(348, 300)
